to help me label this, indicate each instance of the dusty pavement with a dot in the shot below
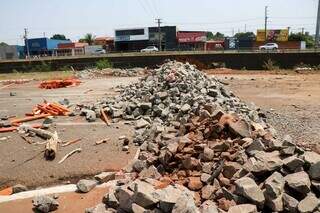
(23, 163)
(291, 101)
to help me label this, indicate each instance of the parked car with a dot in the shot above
(100, 51)
(149, 49)
(269, 46)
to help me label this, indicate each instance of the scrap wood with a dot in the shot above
(55, 84)
(69, 154)
(104, 117)
(40, 132)
(52, 147)
(50, 108)
(29, 118)
(71, 142)
(10, 129)
(102, 141)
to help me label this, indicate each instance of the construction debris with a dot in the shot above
(208, 150)
(53, 109)
(69, 154)
(102, 141)
(96, 73)
(52, 147)
(45, 203)
(55, 84)
(71, 142)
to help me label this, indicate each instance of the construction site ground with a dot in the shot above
(291, 101)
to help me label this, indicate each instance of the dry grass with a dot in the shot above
(37, 75)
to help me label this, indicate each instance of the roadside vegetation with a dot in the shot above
(103, 64)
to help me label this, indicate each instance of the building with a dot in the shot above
(70, 49)
(43, 46)
(106, 42)
(139, 38)
(9, 52)
(191, 40)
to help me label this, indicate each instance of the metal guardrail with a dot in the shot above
(168, 53)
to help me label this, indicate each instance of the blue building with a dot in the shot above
(43, 46)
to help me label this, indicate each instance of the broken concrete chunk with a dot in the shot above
(293, 163)
(274, 185)
(19, 188)
(100, 208)
(248, 188)
(314, 171)
(86, 185)
(104, 177)
(208, 207)
(311, 158)
(309, 204)
(110, 200)
(185, 204)
(299, 181)
(45, 203)
(241, 128)
(143, 194)
(150, 172)
(243, 208)
(141, 123)
(290, 203)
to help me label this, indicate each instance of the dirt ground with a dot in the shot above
(23, 163)
(291, 100)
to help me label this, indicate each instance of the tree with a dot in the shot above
(3, 44)
(217, 36)
(59, 37)
(245, 36)
(310, 41)
(88, 38)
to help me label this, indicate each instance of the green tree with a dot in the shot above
(3, 44)
(310, 41)
(245, 36)
(88, 38)
(59, 37)
(217, 36)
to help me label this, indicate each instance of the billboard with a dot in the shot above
(191, 37)
(273, 35)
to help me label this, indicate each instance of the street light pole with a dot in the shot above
(159, 32)
(318, 26)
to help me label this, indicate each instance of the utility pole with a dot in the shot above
(159, 32)
(266, 21)
(26, 41)
(245, 28)
(318, 26)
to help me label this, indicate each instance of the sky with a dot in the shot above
(75, 18)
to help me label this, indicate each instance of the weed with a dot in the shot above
(103, 64)
(270, 65)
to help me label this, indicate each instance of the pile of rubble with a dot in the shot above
(203, 150)
(96, 73)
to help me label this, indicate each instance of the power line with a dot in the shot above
(144, 8)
